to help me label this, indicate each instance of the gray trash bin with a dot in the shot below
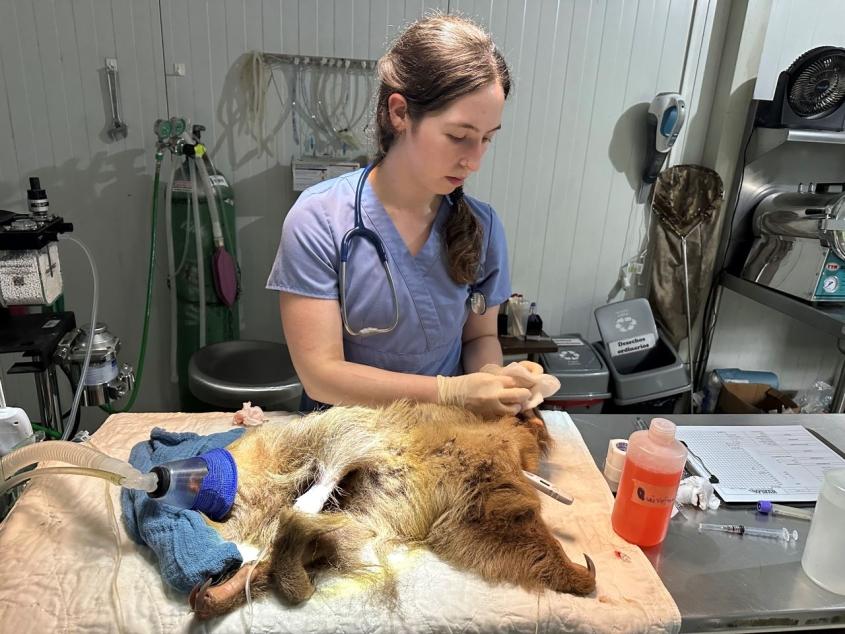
(582, 373)
(647, 375)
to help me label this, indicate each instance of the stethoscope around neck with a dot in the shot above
(478, 303)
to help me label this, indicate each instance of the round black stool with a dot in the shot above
(229, 373)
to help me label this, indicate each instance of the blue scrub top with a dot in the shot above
(432, 307)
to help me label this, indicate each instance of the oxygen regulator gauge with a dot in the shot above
(163, 129)
(169, 128)
(830, 284)
(179, 126)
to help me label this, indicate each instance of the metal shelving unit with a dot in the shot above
(772, 160)
(827, 319)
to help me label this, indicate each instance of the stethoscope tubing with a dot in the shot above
(478, 302)
(360, 231)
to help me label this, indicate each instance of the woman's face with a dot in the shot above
(445, 147)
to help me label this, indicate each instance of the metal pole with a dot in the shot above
(708, 329)
(43, 397)
(49, 406)
(689, 325)
(837, 406)
(55, 398)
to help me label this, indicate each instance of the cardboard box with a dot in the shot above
(753, 398)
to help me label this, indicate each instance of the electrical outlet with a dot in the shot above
(179, 70)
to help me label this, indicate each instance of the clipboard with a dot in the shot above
(747, 463)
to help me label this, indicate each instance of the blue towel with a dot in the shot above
(189, 551)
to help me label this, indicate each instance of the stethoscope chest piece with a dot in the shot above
(477, 302)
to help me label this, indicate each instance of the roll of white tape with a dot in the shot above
(612, 475)
(617, 448)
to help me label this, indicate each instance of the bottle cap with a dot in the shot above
(35, 192)
(39, 206)
(662, 429)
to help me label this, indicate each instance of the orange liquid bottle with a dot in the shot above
(648, 484)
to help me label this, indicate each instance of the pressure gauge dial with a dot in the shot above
(830, 284)
(163, 129)
(179, 126)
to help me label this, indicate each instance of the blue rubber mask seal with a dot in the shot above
(218, 488)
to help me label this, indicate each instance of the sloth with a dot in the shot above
(312, 493)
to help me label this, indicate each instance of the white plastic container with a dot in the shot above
(30, 278)
(14, 428)
(824, 552)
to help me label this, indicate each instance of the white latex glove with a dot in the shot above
(250, 416)
(697, 491)
(530, 366)
(487, 395)
(529, 374)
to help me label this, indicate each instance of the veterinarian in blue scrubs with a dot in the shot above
(440, 101)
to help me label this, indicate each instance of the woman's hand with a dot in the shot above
(530, 375)
(485, 394)
(530, 366)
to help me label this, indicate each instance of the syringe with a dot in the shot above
(739, 529)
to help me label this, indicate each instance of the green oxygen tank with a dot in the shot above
(221, 321)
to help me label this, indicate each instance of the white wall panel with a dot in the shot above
(698, 85)
(54, 114)
(212, 38)
(562, 173)
(564, 170)
(796, 26)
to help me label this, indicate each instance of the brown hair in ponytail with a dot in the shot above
(436, 60)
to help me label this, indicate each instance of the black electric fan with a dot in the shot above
(810, 94)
